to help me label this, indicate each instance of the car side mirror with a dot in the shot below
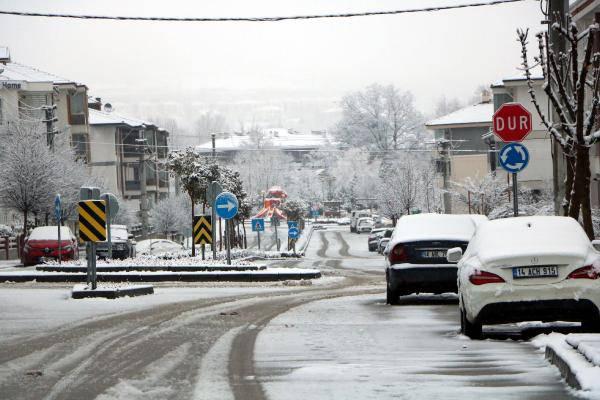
(454, 254)
(596, 244)
(386, 251)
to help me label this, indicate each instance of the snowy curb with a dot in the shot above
(563, 352)
(83, 292)
(267, 275)
(140, 268)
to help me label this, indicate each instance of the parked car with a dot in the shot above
(123, 243)
(158, 246)
(528, 269)
(343, 221)
(42, 243)
(383, 242)
(416, 254)
(374, 237)
(365, 224)
(355, 216)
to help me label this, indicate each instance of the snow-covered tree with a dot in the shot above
(572, 84)
(171, 214)
(294, 209)
(378, 118)
(31, 174)
(398, 191)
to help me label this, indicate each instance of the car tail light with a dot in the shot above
(398, 255)
(587, 272)
(483, 277)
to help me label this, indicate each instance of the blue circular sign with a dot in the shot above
(514, 157)
(293, 233)
(226, 205)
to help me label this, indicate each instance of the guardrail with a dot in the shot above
(9, 248)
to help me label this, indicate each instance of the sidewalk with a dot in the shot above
(7, 264)
(577, 356)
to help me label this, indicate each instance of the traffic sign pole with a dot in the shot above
(228, 242)
(258, 238)
(515, 195)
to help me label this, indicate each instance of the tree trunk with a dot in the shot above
(245, 240)
(569, 179)
(586, 210)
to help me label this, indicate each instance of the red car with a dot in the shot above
(42, 243)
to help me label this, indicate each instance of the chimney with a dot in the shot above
(486, 96)
(4, 55)
(95, 103)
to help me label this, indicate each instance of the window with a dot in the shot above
(79, 144)
(77, 103)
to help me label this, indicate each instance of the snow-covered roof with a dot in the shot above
(104, 118)
(530, 236)
(271, 138)
(478, 114)
(417, 227)
(19, 72)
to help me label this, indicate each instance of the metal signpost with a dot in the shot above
(58, 216)
(213, 190)
(112, 208)
(226, 207)
(258, 225)
(512, 123)
(275, 223)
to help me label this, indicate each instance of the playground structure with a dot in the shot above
(274, 197)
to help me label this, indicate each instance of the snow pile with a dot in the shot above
(588, 345)
(587, 374)
(144, 261)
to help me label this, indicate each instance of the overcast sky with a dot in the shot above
(430, 54)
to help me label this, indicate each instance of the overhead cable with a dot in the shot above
(255, 19)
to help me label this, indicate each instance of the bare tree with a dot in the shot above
(572, 84)
(378, 118)
(398, 192)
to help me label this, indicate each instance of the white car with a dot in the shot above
(364, 225)
(528, 269)
(158, 247)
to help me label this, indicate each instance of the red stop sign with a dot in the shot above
(512, 122)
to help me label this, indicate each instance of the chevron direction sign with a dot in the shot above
(203, 229)
(92, 221)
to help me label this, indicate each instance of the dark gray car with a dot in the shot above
(123, 244)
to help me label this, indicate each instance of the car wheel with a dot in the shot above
(472, 330)
(392, 297)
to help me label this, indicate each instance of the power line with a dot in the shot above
(255, 19)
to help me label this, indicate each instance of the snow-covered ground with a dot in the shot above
(360, 348)
(29, 311)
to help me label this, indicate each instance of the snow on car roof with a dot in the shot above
(50, 233)
(526, 236)
(417, 227)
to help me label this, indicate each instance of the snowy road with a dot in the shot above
(335, 339)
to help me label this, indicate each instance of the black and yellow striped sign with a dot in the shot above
(92, 221)
(203, 230)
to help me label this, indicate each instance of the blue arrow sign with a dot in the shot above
(226, 205)
(57, 208)
(258, 225)
(293, 233)
(292, 224)
(514, 157)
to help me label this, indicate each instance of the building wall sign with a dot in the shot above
(16, 85)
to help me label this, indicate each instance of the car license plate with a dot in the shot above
(541, 271)
(433, 253)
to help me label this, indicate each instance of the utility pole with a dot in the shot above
(445, 163)
(49, 120)
(142, 174)
(214, 150)
(557, 12)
